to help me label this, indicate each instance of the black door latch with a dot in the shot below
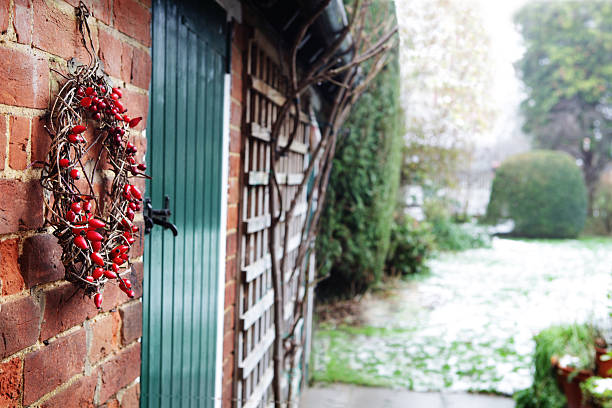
(159, 217)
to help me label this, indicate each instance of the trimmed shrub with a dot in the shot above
(411, 244)
(543, 192)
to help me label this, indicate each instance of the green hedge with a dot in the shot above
(355, 227)
(543, 192)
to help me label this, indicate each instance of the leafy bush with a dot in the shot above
(543, 192)
(450, 235)
(411, 244)
(576, 340)
(355, 227)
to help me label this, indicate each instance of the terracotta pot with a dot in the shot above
(571, 387)
(603, 367)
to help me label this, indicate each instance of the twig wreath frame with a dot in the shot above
(95, 231)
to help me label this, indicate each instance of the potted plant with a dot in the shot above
(573, 361)
(597, 392)
(603, 359)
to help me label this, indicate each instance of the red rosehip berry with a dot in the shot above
(95, 223)
(64, 162)
(76, 207)
(97, 259)
(98, 300)
(74, 173)
(86, 102)
(80, 242)
(94, 236)
(79, 129)
(98, 272)
(134, 122)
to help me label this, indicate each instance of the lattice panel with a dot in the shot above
(267, 86)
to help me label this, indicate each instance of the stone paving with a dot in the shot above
(350, 396)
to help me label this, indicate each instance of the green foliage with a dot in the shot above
(567, 70)
(411, 244)
(543, 192)
(355, 227)
(557, 341)
(596, 392)
(450, 235)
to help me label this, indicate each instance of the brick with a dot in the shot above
(119, 371)
(56, 32)
(234, 165)
(229, 319)
(132, 18)
(41, 260)
(65, 306)
(138, 105)
(227, 394)
(105, 336)
(127, 54)
(20, 205)
(136, 276)
(41, 141)
(231, 245)
(18, 142)
(79, 394)
(4, 15)
(22, 21)
(140, 74)
(131, 397)
(235, 141)
(52, 365)
(3, 141)
(19, 323)
(100, 9)
(131, 318)
(110, 52)
(25, 79)
(235, 114)
(11, 373)
(230, 293)
(113, 403)
(228, 346)
(232, 217)
(10, 275)
(112, 297)
(228, 368)
(230, 269)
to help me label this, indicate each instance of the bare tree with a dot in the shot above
(350, 82)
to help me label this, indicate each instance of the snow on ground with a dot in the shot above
(468, 326)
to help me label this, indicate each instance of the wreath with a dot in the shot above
(94, 231)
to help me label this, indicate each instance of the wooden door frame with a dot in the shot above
(227, 83)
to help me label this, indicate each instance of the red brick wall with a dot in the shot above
(239, 49)
(57, 349)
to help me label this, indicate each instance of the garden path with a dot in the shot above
(468, 325)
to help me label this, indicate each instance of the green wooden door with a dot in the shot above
(184, 158)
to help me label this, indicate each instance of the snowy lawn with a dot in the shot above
(468, 325)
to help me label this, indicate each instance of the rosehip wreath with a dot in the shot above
(95, 232)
